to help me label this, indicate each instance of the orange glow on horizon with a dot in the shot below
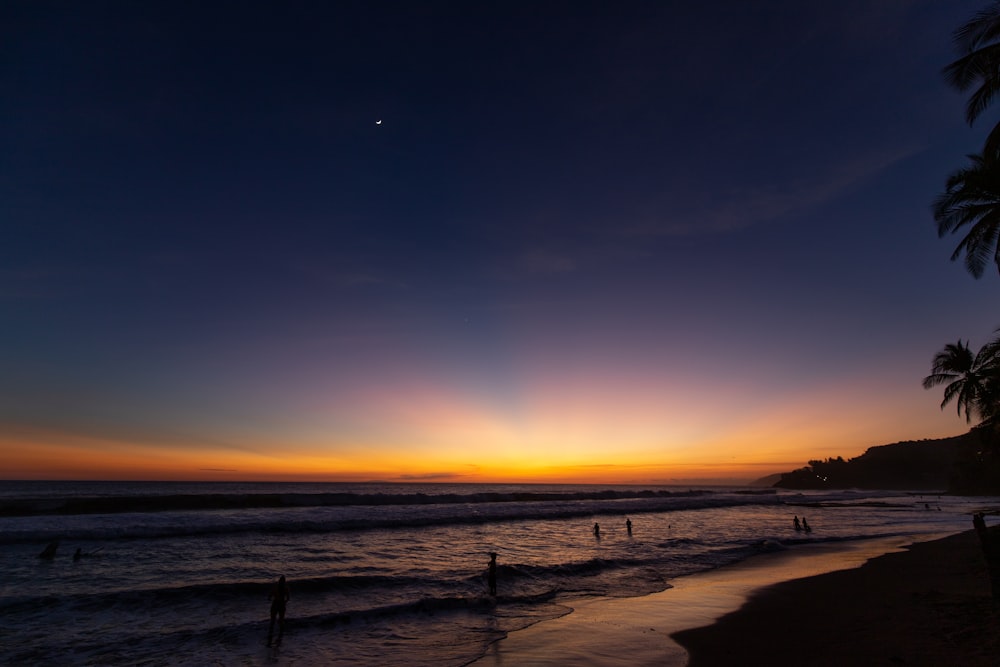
(49, 455)
(581, 435)
(109, 460)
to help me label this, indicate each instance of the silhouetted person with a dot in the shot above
(805, 525)
(628, 526)
(991, 551)
(597, 531)
(795, 522)
(49, 552)
(78, 555)
(491, 575)
(279, 597)
(979, 523)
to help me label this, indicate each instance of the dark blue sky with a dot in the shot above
(695, 234)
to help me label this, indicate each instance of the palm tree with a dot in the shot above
(971, 380)
(978, 41)
(972, 198)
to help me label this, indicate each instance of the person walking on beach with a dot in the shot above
(979, 523)
(491, 575)
(279, 597)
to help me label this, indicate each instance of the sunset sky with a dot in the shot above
(644, 242)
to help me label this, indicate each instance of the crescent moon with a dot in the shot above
(378, 122)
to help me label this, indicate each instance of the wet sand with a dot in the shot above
(926, 605)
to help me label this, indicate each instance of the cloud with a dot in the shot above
(538, 261)
(744, 207)
(348, 278)
(83, 433)
(369, 279)
(428, 476)
(535, 262)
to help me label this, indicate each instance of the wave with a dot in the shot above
(135, 644)
(154, 597)
(524, 583)
(316, 519)
(38, 506)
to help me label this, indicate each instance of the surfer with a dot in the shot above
(50, 551)
(279, 597)
(795, 522)
(597, 531)
(628, 526)
(491, 575)
(805, 525)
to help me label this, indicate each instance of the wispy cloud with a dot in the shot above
(743, 207)
(373, 279)
(86, 433)
(430, 476)
(534, 262)
(540, 261)
(348, 278)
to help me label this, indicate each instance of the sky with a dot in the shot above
(622, 242)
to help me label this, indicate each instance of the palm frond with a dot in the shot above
(950, 392)
(983, 27)
(974, 66)
(992, 143)
(935, 379)
(972, 201)
(977, 43)
(983, 96)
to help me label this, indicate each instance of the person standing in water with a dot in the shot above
(50, 551)
(491, 575)
(628, 526)
(597, 531)
(279, 597)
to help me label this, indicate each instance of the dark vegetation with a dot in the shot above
(970, 205)
(965, 465)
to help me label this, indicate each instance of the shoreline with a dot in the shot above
(756, 610)
(927, 606)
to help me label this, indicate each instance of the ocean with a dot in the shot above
(379, 574)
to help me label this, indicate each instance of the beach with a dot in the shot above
(179, 573)
(930, 605)
(922, 604)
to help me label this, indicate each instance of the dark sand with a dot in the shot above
(823, 604)
(929, 605)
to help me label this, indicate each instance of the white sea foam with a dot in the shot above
(398, 579)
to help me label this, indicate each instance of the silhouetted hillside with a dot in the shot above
(961, 464)
(768, 482)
